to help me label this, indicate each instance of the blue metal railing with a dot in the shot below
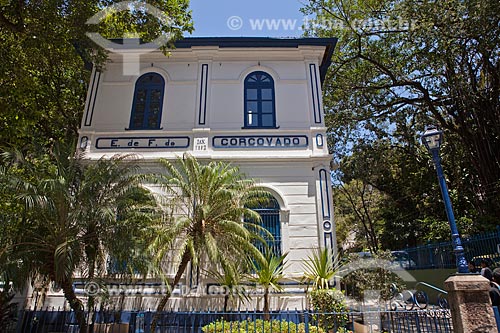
(441, 300)
(497, 317)
(440, 255)
(242, 321)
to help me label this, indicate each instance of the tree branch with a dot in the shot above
(14, 27)
(8, 24)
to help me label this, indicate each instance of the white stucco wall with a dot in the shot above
(204, 99)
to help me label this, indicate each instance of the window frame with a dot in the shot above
(148, 87)
(271, 211)
(259, 86)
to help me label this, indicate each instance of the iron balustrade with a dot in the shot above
(52, 320)
(440, 255)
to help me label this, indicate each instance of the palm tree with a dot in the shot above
(51, 244)
(113, 215)
(208, 219)
(11, 224)
(320, 268)
(267, 274)
(10, 220)
(231, 278)
(72, 212)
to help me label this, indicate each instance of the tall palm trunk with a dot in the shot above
(90, 251)
(186, 257)
(75, 304)
(267, 316)
(91, 297)
(226, 301)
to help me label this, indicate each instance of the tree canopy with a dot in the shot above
(401, 66)
(46, 61)
(69, 213)
(47, 58)
(206, 203)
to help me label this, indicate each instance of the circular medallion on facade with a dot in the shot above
(83, 142)
(327, 225)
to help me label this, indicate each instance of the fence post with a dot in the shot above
(498, 234)
(470, 305)
(306, 321)
(431, 255)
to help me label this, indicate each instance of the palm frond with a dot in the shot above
(269, 272)
(208, 211)
(320, 268)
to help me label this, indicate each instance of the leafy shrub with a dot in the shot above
(377, 275)
(258, 326)
(345, 330)
(329, 304)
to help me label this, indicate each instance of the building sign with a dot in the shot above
(200, 144)
(260, 141)
(149, 142)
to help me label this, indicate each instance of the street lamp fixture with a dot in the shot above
(432, 139)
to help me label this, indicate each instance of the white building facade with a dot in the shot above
(254, 102)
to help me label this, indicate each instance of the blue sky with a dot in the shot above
(271, 18)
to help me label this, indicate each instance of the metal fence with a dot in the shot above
(420, 321)
(440, 255)
(497, 317)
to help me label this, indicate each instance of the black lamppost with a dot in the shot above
(432, 140)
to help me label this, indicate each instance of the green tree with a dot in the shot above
(358, 203)
(376, 273)
(402, 188)
(12, 219)
(10, 231)
(209, 204)
(15, 180)
(71, 216)
(267, 273)
(114, 216)
(47, 59)
(399, 67)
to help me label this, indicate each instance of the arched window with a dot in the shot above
(270, 215)
(148, 102)
(259, 101)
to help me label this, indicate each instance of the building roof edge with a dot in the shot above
(264, 42)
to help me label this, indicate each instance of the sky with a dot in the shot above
(260, 18)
